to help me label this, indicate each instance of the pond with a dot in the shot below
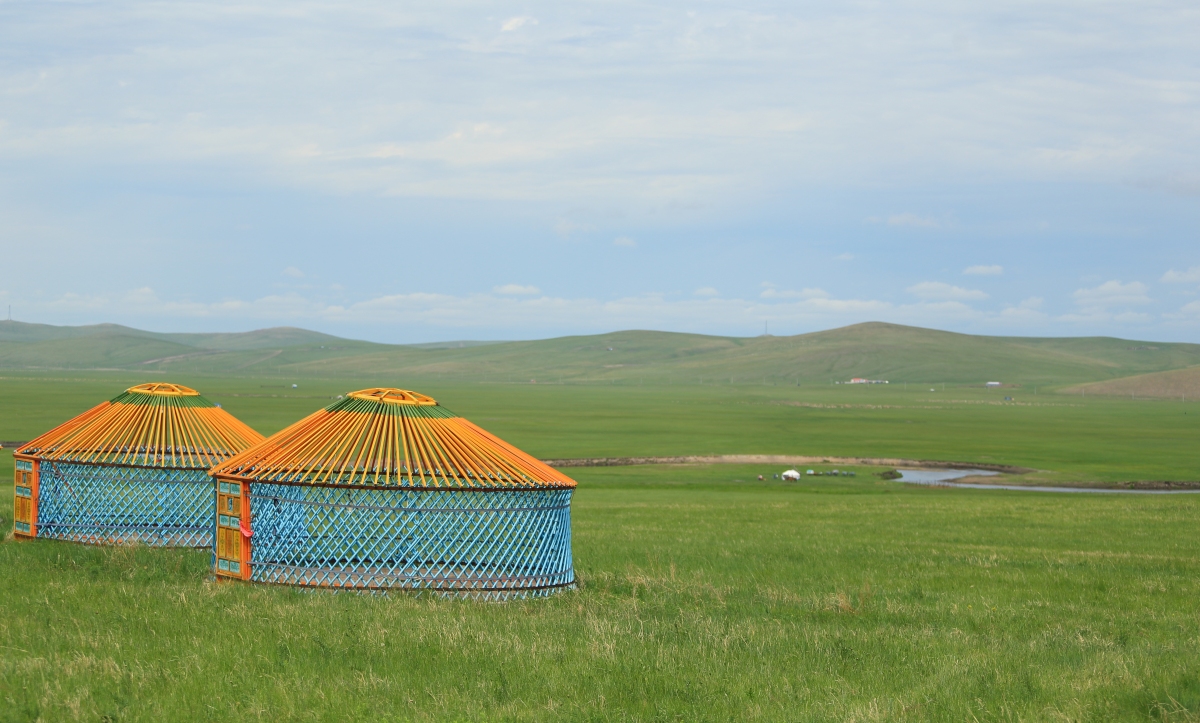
(946, 477)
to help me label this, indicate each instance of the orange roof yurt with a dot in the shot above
(133, 469)
(387, 489)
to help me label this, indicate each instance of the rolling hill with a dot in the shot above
(872, 350)
(1174, 384)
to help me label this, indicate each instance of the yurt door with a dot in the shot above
(233, 522)
(25, 498)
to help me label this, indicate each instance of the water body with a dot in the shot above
(946, 477)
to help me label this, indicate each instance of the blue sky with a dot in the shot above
(486, 171)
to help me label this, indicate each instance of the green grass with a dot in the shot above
(704, 595)
(701, 598)
(1070, 439)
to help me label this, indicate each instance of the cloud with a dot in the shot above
(772, 293)
(516, 290)
(624, 241)
(516, 23)
(706, 291)
(567, 228)
(912, 220)
(937, 290)
(844, 257)
(1191, 310)
(293, 272)
(1191, 276)
(502, 309)
(1026, 313)
(420, 315)
(1112, 294)
(458, 135)
(983, 270)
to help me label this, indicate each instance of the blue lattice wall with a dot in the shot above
(109, 504)
(492, 544)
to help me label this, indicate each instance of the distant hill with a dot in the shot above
(277, 337)
(1174, 384)
(873, 350)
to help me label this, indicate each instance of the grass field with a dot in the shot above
(701, 598)
(1070, 439)
(1174, 384)
(704, 594)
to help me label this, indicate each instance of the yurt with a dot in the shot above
(131, 470)
(387, 489)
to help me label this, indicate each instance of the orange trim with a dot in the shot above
(157, 434)
(390, 395)
(164, 390)
(374, 446)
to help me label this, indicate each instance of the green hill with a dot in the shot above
(1173, 384)
(277, 337)
(873, 350)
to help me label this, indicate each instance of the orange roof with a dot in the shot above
(390, 437)
(150, 425)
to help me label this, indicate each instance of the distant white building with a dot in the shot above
(791, 474)
(992, 384)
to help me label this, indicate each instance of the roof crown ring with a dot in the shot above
(162, 389)
(391, 395)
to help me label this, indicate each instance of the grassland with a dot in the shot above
(701, 598)
(1174, 384)
(878, 351)
(704, 593)
(1068, 439)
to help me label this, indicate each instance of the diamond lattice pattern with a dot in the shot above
(484, 544)
(110, 505)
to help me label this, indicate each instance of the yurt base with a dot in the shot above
(411, 582)
(150, 537)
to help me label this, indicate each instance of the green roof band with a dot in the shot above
(364, 406)
(195, 401)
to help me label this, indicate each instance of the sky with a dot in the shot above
(410, 172)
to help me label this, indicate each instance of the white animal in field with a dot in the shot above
(791, 474)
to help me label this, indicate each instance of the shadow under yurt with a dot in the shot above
(130, 470)
(386, 489)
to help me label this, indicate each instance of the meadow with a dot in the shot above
(704, 594)
(1069, 439)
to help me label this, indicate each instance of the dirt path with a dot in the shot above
(784, 460)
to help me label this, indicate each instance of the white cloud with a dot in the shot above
(503, 309)
(1191, 310)
(844, 257)
(772, 293)
(567, 228)
(706, 291)
(530, 314)
(912, 220)
(144, 295)
(1025, 313)
(994, 270)
(1112, 294)
(516, 23)
(516, 290)
(937, 290)
(293, 272)
(571, 126)
(624, 241)
(631, 119)
(1191, 276)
